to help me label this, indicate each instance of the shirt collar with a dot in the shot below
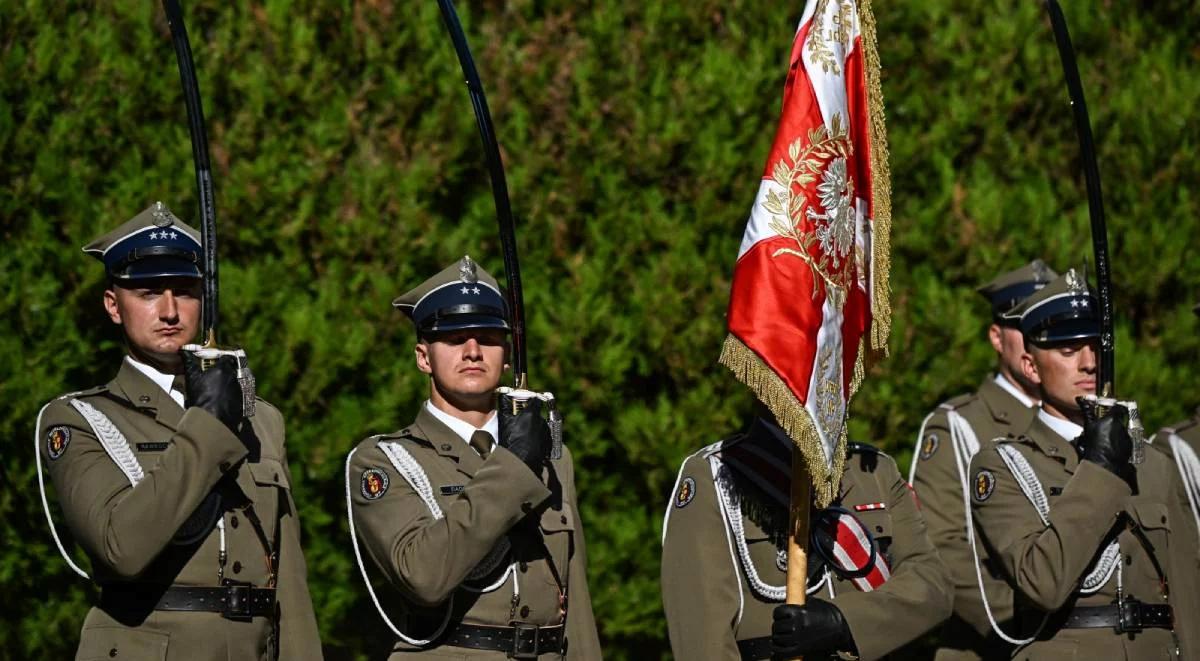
(1065, 428)
(160, 379)
(465, 430)
(1011, 388)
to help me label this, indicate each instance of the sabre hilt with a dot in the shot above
(520, 397)
(209, 352)
(1095, 407)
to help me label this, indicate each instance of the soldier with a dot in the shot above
(724, 557)
(480, 540)
(949, 437)
(183, 505)
(1086, 540)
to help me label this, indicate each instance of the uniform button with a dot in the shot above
(237, 567)
(113, 651)
(1128, 560)
(524, 566)
(527, 507)
(145, 399)
(276, 477)
(233, 521)
(224, 467)
(1053, 450)
(445, 447)
(1164, 519)
(524, 611)
(563, 518)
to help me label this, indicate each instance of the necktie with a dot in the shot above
(177, 387)
(481, 441)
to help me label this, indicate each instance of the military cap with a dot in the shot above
(153, 244)
(1009, 289)
(1063, 310)
(462, 296)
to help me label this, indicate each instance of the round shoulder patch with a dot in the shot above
(57, 440)
(687, 491)
(929, 446)
(985, 484)
(374, 483)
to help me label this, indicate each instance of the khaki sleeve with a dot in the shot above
(426, 558)
(937, 482)
(918, 596)
(701, 586)
(583, 641)
(1046, 563)
(299, 637)
(121, 526)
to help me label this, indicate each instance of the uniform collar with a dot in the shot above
(446, 442)
(143, 393)
(161, 379)
(1068, 430)
(1011, 388)
(464, 429)
(1050, 441)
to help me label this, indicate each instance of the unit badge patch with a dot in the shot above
(929, 446)
(57, 440)
(985, 484)
(687, 491)
(374, 483)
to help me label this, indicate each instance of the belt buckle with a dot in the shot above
(518, 651)
(1129, 616)
(237, 605)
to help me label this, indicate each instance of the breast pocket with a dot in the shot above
(105, 643)
(271, 487)
(558, 532)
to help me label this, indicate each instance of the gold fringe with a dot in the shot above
(750, 369)
(881, 179)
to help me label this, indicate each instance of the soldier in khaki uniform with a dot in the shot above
(476, 532)
(724, 559)
(949, 437)
(183, 506)
(1087, 539)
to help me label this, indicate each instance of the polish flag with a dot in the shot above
(810, 286)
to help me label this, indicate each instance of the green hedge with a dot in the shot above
(348, 168)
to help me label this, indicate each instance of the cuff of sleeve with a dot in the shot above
(1104, 493)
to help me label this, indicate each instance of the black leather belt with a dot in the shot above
(753, 649)
(235, 601)
(519, 641)
(1130, 616)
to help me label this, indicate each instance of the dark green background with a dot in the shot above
(348, 168)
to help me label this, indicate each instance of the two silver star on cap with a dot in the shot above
(470, 290)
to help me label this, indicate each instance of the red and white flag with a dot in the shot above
(810, 287)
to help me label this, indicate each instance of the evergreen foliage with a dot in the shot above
(348, 169)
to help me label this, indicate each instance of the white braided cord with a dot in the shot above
(113, 441)
(37, 454)
(367, 580)
(1189, 471)
(912, 468)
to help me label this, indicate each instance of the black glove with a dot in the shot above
(525, 433)
(1105, 441)
(816, 628)
(215, 390)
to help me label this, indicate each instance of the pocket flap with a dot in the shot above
(269, 472)
(1152, 516)
(558, 520)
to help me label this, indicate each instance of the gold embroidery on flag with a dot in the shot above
(823, 156)
(842, 24)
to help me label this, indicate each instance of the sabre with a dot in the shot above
(491, 151)
(1105, 373)
(209, 351)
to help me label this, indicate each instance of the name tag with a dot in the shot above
(452, 489)
(153, 447)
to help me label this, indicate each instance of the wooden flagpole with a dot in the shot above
(801, 504)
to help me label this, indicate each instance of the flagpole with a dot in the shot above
(797, 566)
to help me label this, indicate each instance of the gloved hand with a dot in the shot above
(816, 628)
(1105, 441)
(215, 390)
(525, 433)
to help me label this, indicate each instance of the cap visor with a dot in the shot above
(465, 321)
(1070, 330)
(160, 267)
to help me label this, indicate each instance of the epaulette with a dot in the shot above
(406, 432)
(955, 403)
(854, 447)
(868, 455)
(97, 390)
(1185, 425)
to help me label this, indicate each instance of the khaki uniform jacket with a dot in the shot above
(1045, 564)
(1185, 584)
(991, 412)
(127, 531)
(427, 561)
(710, 604)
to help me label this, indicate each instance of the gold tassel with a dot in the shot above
(881, 193)
(750, 369)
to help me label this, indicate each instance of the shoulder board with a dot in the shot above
(1183, 426)
(98, 390)
(713, 448)
(958, 402)
(406, 432)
